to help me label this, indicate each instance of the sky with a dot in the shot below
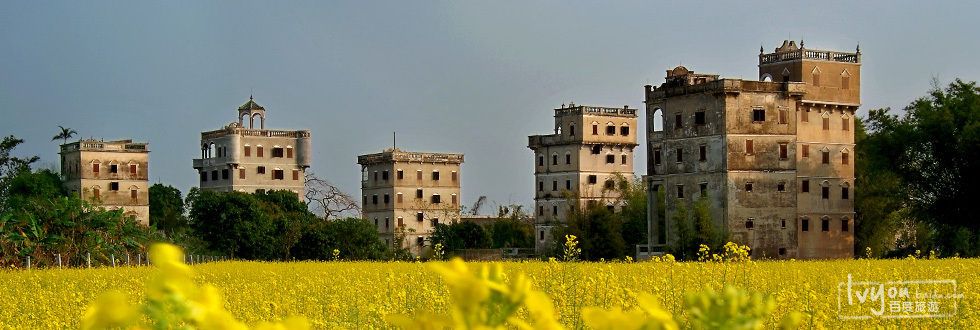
(470, 77)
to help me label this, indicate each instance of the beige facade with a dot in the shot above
(113, 173)
(774, 157)
(405, 194)
(249, 159)
(577, 164)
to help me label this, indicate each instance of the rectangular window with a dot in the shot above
(571, 130)
(401, 174)
(401, 222)
(680, 155)
(704, 188)
(419, 217)
(113, 168)
(554, 185)
(782, 116)
(384, 175)
(554, 210)
(214, 175)
(825, 225)
(277, 175)
(595, 129)
(805, 225)
(554, 159)
(248, 151)
(699, 118)
(541, 235)
(844, 193)
(826, 157)
(258, 151)
(656, 157)
(133, 193)
(781, 187)
(593, 179)
(805, 186)
(289, 152)
(204, 176)
(758, 115)
(435, 175)
(455, 202)
(132, 169)
(114, 186)
(843, 225)
(399, 198)
(374, 199)
(845, 158)
(418, 193)
(749, 147)
(825, 192)
(296, 175)
(624, 131)
(540, 186)
(436, 199)
(418, 175)
(702, 153)
(845, 124)
(568, 159)
(623, 159)
(241, 173)
(568, 184)
(597, 149)
(680, 191)
(805, 116)
(610, 159)
(845, 82)
(435, 222)
(541, 213)
(748, 187)
(375, 176)
(826, 124)
(610, 130)
(678, 123)
(610, 184)
(260, 170)
(750, 224)
(224, 174)
(783, 223)
(783, 152)
(277, 153)
(805, 150)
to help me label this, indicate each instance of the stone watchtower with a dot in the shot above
(248, 159)
(578, 163)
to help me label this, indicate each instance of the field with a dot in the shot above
(360, 294)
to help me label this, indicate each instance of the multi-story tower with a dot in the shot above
(774, 158)
(406, 194)
(577, 164)
(113, 173)
(236, 158)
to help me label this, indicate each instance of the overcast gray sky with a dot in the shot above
(463, 77)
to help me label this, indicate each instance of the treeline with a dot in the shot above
(510, 229)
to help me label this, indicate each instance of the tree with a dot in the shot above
(511, 229)
(166, 208)
(460, 235)
(11, 167)
(929, 158)
(325, 199)
(233, 223)
(355, 239)
(65, 134)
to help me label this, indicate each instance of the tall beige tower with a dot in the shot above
(113, 173)
(774, 158)
(577, 164)
(244, 156)
(406, 194)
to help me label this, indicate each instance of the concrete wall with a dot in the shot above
(229, 167)
(79, 175)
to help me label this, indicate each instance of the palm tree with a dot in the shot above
(66, 133)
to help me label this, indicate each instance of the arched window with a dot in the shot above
(571, 129)
(657, 120)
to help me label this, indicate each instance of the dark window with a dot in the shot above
(278, 175)
(420, 241)
(677, 121)
(699, 118)
(593, 179)
(241, 173)
(95, 192)
(455, 176)
(845, 158)
(374, 199)
(843, 225)
(748, 187)
(825, 225)
(758, 115)
(624, 131)
(805, 225)
(749, 147)
(387, 199)
(454, 200)
(364, 200)
(680, 191)
(825, 192)
(702, 153)
(375, 175)
(610, 159)
(224, 174)
(595, 129)
(783, 152)
(554, 185)
(540, 160)
(401, 222)
(568, 184)
(826, 157)
(436, 199)
(704, 188)
(783, 223)
(113, 168)
(781, 187)
(258, 151)
(541, 212)
(435, 176)
(680, 155)
(435, 222)
(782, 251)
(749, 224)
(399, 199)
(260, 170)
(133, 194)
(656, 157)
(844, 193)
(419, 217)
(785, 78)
(214, 175)
(418, 193)
(624, 159)
(384, 175)
(596, 149)
(782, 116)
(610, 130)
(418, 175)
(289, 152)
(540, 186)
(541, 235)
(554, 159)
(826, 124)
(401, 174)
(805, 186)
(204, 176)
(277, 153)
(132, 169)
(248, 151)
(554, 210)
(113, 186)
(805, 150)
(571, 130)
(610, 184)
(568, 158)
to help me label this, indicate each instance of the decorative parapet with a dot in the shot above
(809, 54)
(393, 156)
(577, 110)
(727, 86)
(253, 132)
(96, 145)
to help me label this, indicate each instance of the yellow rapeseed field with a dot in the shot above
(359, 295)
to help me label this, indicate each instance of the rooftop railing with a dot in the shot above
(810, 54)
(254, 132)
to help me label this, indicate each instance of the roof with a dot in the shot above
(250, 105)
